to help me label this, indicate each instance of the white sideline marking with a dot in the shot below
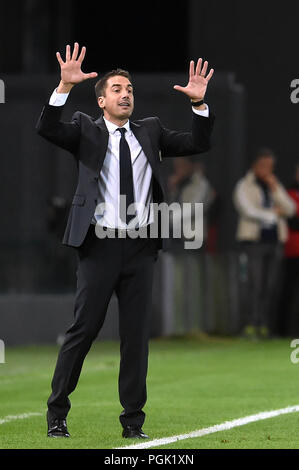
(218, 427)
(8, 419)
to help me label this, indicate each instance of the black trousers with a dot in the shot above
(263, 262)
(124, 266)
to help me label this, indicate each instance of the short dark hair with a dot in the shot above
(263, 152)
(101, 85)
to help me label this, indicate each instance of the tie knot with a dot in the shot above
(122, 130)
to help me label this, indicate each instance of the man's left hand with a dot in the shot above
(198, 81)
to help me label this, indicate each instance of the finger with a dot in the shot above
(210, 75)
(82, 55)
(76, 51)
(88, 76)
(179, 88)
(68, 53)
(204, 69)
(191, 69)
(59, 58)
(198, 67)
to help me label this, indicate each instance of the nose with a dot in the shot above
(125, 93)
(125, 96)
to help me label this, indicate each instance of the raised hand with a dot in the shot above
(198, 81)
(71, 73)
(271, 181)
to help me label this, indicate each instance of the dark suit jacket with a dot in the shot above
(87, 139)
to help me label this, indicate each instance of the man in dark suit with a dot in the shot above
(118, 160)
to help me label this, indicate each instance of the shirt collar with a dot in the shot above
(112, 128)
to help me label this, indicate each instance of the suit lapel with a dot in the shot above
(102, 143)
(142, 136)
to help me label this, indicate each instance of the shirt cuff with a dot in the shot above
(204, 113)
(58, 99)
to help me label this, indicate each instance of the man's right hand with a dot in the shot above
(71, 73)
(271, 181)
(278, 211)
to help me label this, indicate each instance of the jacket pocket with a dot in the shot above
(78, 200)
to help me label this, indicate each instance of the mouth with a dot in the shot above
(125, 104)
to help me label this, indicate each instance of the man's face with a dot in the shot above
(118, 102)
(264, 167)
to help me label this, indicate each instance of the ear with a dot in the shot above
(101, 102)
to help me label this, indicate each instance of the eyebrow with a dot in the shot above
(118, 84)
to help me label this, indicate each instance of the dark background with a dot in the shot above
(255, 40)
(251, 45)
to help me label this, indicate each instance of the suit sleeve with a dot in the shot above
(177, 144)
(65, 135)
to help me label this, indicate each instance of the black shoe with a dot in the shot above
(134, 432)
(57, 427)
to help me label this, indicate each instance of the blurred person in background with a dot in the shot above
(290, 287)
(60, 262)
(189, 184)
(188, 281)
(263, 206)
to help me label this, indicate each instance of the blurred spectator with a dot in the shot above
(263, 206)
(290, 289)
(59, 261)
(56, 215)
(187, 277)
(188, 184)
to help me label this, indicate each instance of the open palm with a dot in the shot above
(71, 72)
(198, 81)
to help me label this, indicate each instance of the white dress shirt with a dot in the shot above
(109, 178)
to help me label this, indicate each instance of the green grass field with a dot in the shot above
(193, 383)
